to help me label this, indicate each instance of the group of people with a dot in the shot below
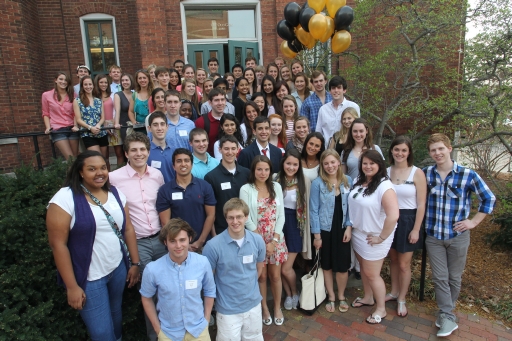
(209, 210)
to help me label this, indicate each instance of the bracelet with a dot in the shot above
(276, 240)
(318, 238)
(381, 238)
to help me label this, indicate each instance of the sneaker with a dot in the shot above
(295, 301)
(288, 303)
(438, 320)
(447, 327)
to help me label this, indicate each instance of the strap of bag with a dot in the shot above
(111, 221)
(206, 121)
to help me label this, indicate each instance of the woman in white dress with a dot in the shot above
(373, 211)
(314, 146)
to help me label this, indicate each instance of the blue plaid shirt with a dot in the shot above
(449, 201)
(311, 106)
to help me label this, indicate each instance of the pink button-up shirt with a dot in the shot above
(140, 192)
(61, 115)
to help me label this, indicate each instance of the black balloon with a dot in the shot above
(291, 13)
(285, 30)
(343, 18)
(305, 14)
(295, 45)
(346, 28)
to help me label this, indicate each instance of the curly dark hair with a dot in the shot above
(381, 175)
(73, 178)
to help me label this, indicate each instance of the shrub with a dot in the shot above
(503, 236)
(33, 306)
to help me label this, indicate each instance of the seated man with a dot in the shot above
(178, 279)
(236, 256)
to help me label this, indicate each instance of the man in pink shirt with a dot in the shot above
(140, 183)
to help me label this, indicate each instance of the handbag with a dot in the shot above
(313, 289)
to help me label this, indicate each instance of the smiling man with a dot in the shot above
(203, 162)
(188, 198)
(261, 146)
(319, 97)
(226, 179)
(140, 183)
(329, 115)
(211, 121)
(236, 256)
(178, 279)
(160, 155)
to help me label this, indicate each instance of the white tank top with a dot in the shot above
(290, 199)
(406, 192)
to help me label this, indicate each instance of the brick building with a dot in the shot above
(41, 37)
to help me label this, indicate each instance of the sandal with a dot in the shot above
(343, 307)
(401, 308)
(361, 304)
(279, 320)
(390, 297)
(374, 319)
(267, 321)
(330, 307)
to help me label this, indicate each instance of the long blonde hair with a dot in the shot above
(340, 176)
(343, 132)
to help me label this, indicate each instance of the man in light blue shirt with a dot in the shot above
(203, 162)
(160, 155)
(178, 279)
(236, 256)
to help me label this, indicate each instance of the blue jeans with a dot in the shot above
(102, 312)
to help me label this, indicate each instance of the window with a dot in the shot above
(99, 41)
(220, 23)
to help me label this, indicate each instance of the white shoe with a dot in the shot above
(295, 301)
(288, 303)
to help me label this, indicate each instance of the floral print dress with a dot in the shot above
(91, 115)
(266, 227)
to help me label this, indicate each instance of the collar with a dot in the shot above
(132, 172)
(226, 171)
(212, 118)
(174, 184)
(228, 239)
(154, 146)
(197, 160)
(340, 106)
(455, 167)
(174, 264)
(179, 120)
(260, 147)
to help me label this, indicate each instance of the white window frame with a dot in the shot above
(97, 17)
(217, 4)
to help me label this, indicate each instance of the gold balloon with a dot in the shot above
(341, 41)
(285, 49)
(317, 25)
(329, 30)
(317, 5)
(304, 37)
(333, 6)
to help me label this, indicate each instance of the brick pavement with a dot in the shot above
(418, 325)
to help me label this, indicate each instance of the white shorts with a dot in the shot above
(244, 326)
(368, 252)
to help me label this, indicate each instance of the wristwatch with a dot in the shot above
(135, 264)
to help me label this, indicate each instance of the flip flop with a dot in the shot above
(400, 308)
(330, 305)
(376, 318)
(390, 297)
(361, 304)
(343, 307)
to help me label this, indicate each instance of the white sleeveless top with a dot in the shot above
(406, 192)
(290, 199)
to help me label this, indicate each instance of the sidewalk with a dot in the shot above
(418, 325)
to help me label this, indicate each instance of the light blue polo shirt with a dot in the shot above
(162, 159)
(200, 168)
(235, 271)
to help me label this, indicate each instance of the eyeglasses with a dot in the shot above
(358, 191)
(238, 218)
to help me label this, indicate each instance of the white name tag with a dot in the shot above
(248, 259)
(225, 185)
(156, 164)
(191, 284)
(177, 196)
(183, 133)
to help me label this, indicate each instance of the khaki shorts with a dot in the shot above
(204, 336)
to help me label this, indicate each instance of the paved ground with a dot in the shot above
(418, 325)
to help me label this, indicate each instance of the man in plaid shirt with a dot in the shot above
(447, 224)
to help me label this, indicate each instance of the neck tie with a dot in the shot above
(264, 151)
(119, 87)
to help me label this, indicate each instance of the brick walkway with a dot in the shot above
(418, 325)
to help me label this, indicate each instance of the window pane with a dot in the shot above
(214, 54)
(224, 23)
(94, 35)
(199, 59)
(101, 46)
(248, 53)
(107, 35)
(238, 55)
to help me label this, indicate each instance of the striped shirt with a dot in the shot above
(449, 201)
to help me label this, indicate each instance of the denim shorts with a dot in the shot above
(66, 134)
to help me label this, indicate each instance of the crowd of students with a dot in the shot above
(216, 199)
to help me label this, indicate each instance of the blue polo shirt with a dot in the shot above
(177, 134)
(178, 287)
(200, 169)
(235, 271)
(187, 204)
(162, 159)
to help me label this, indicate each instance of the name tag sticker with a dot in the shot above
(183, 133)
(177, 196)
(248, 259)
(191, 284)
(225, 185)
(156, 164)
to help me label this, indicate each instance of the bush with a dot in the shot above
(503, 236)
(33, 306)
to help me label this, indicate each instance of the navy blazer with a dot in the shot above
(248, 153)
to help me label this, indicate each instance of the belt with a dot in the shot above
(153, 235)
